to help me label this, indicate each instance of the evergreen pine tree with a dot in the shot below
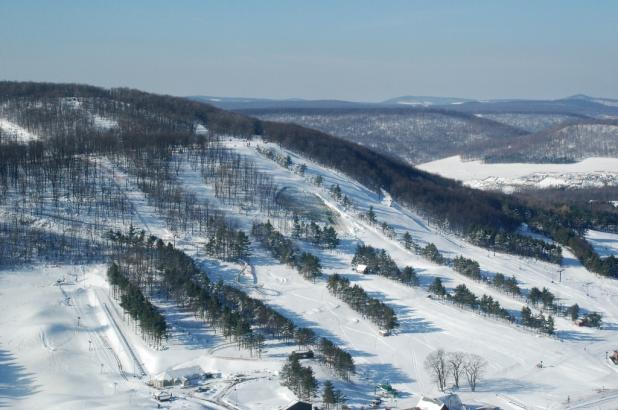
(549, 325)
(409, 276)
(407, 240)
(318, 180)
(330, 239)
(296, 229)
(242, 245)
(309, 384)
(328, 396)
(526, 316)
(371, 215)
(437, 288)
(339, 397)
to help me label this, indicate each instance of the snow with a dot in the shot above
(72, 102)
(576, 356)
(591, 172)
(200, 129)
(426, 403)
(605, 244)
(50, 364)
(177, 373)
(103, 123)
(15, 132)
(46, 361)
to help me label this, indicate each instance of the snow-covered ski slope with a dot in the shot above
(53, 364)
(508, 177)
(575, 360)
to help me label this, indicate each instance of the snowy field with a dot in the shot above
(48, 360)
(508, 177)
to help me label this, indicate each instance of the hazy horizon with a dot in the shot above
(395, 96)
(350, 50)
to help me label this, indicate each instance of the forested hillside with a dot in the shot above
(565, 142)
(415, 135)
(418, 135)
(209, 238)
(75, 119)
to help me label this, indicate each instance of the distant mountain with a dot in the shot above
(425, 101)
(239, 103)
(577, 105)
(605, 101)
(513, 131)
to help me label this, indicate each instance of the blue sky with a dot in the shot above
(356, 50)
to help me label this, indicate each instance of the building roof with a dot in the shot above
(446, 402)
(426, 403)
(361, 267)
(171, 374)
(452, 402)
(300, 405)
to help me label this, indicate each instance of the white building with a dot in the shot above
(360, 268)
(185, 376)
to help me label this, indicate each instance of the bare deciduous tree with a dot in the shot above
(436, 363)
(474, 367)
(456, 361)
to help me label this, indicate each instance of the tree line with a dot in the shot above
(517, 244)
(298, 378)
(486, 305)
(379, 262)
(324, 237)
(148, 318)
(285, 251)
(356, 297)
(239, 317)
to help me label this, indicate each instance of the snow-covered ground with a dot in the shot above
(605, 244)
(46, 360)
(428, 324)
(508, 177)
(14, 132)
(103, 123)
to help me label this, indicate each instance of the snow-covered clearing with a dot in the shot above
(509, 177)
(51, 361)
(103, 123)
(605, 244)
(51, 364)
(10, 130)
(65, 344)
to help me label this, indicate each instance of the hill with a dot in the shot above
(148, 238)
(507, 134)
(414, 135)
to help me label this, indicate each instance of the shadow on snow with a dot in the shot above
(15, 382)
